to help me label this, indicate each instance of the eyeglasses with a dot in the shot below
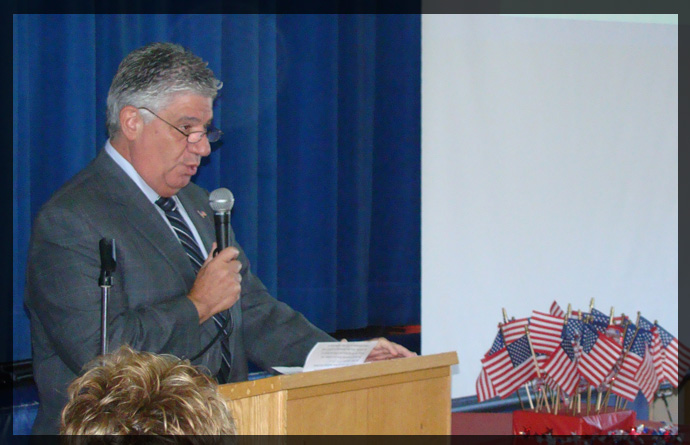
(212, 133)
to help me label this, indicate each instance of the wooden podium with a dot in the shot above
(399, 396)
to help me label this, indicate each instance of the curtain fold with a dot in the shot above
(321, 115)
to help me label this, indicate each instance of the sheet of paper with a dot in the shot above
(325, 355)
(336, 354)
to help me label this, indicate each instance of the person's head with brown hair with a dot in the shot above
(135, 393)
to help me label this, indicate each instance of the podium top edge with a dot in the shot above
(348, 373)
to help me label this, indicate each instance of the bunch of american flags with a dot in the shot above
(563, 355)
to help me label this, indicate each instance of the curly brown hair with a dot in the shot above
(134, 393)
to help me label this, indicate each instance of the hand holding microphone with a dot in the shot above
(217, 286)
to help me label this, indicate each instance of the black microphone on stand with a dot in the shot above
(221, 201)
(105, 280)
(108, 263)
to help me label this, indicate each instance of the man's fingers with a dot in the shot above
(228, 254)
(386, 348)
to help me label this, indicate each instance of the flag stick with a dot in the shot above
(558, 400)
(536, 366)
(598, 401)
(538, 395)
(572, 403)
(589, 387)
(589, 397)
(529, 396)
(522, 405)
(608, 394)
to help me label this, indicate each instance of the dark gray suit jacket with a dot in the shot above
(148, 308)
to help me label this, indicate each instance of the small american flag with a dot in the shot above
(514, 330)
(510, 367)
(573, 330)
(485, 389)
(561, 368)
(626, 383)
(645, 376)
(683, 360)
(599, 320)
(545, 332)
(645, 324)
(497, 344)
(665, 353)
(599, 355)
(556, 310)
(658, 355)
(629, 336)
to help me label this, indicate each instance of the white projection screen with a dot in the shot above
(549, 172)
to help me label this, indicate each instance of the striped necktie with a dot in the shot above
(184, 235)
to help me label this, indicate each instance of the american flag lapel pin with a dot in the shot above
(201, 213)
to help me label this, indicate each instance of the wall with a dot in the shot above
(549, 172)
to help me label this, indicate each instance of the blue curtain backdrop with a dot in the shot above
(321, 115)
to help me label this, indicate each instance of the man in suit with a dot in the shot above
(167, 298)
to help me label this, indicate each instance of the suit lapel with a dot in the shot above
(144, 217)
(201, 216)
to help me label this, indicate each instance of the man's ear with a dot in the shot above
(131, 122)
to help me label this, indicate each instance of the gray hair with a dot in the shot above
(152, 75)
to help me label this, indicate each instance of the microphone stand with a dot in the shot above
(105, 281)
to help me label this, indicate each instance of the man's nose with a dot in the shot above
(202, 148)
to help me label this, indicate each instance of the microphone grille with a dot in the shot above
(221, 200)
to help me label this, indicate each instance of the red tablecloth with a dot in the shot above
(529, 422)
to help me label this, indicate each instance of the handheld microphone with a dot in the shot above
(108, 263)
(221, 201)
